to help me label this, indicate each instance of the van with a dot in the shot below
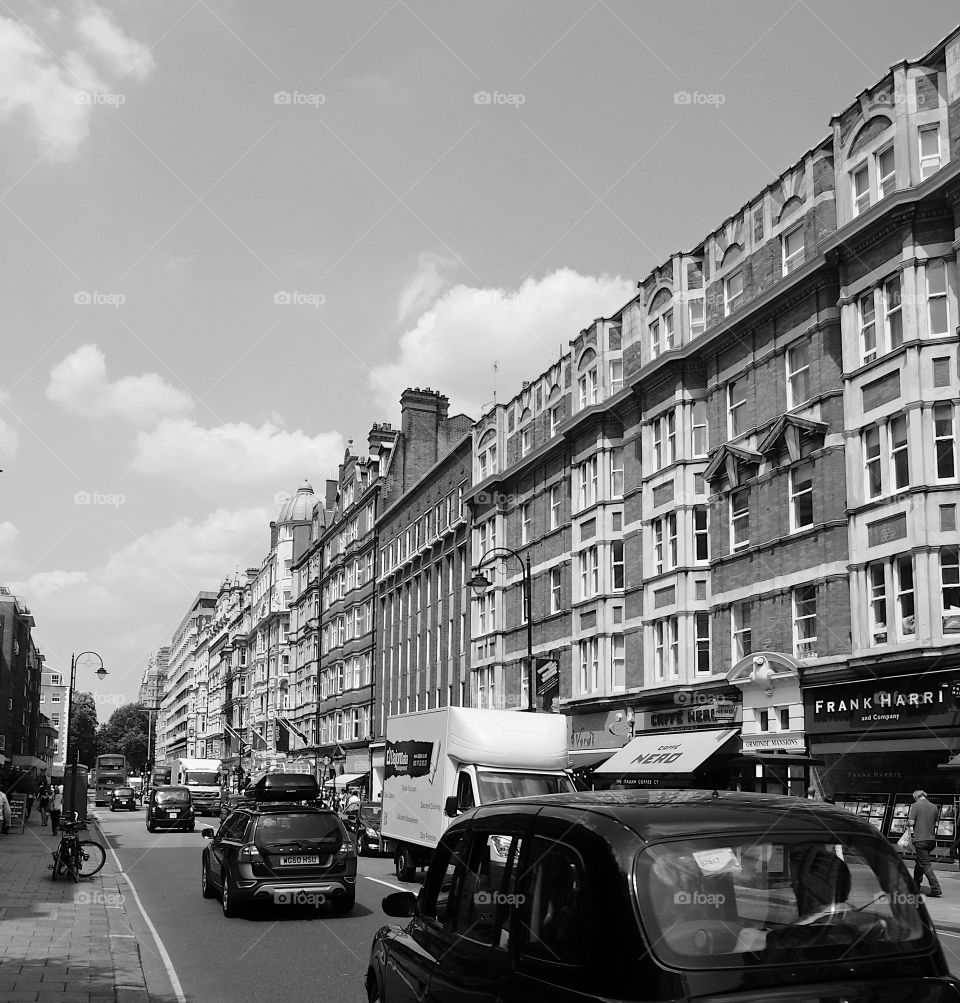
(170, 808)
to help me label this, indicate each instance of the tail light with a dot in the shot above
(249, 854)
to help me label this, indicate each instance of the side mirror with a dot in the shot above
(400, 904)
(451, 807)
(207, 832)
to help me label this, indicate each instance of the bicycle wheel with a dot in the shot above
(57, 865)
(92, 857)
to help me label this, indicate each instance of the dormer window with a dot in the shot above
(792, 249)
(886, 173)
(733, 283)
(930, 162)
(860, 181)
(587, 384)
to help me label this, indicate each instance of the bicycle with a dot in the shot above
(78, 857)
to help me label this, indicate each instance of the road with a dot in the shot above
(269, 953)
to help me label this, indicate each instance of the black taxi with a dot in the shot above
(661, 895)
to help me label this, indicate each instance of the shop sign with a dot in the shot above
(679, 718)
(598, 731)
(785, 741)
(884, 704)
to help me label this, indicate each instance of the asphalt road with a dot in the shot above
(272, 953)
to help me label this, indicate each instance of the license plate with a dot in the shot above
(296, 861)
(173, 814)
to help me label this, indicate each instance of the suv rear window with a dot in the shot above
(278, 828)
(173, 797)
(767, 899)
(123, 792)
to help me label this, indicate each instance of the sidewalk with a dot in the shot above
(944, 911)
(60, 940)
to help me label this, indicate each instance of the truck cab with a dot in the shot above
(202, 778)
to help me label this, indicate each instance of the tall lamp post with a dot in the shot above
(67, 765)
(480, 583)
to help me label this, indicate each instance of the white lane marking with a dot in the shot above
(161, 950)
(380, 881)
(947, 933)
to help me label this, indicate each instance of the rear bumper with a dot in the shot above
(295, 892)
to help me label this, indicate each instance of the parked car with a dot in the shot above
(274, 848)
(170, 808)
(124, 799)
(660, 895)
(364, 823)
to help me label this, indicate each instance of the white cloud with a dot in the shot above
(454, 344)
(424, 286)
(79, 384)
(48, 78)
(8, 439)
(236, 454)
(9, 534)
(45, 584)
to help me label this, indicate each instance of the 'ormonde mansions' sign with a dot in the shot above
(906, 701)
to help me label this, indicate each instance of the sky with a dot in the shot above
(232, 233)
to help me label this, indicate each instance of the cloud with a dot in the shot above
(45, 584)
(8, 439)
(9, 534)
(79, 384)
(423, 287)
(454, 344)
(235, 454)
(48, 77)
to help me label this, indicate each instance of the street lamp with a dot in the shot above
(101, 672)
(480, 583)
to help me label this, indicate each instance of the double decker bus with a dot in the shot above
(111, 772)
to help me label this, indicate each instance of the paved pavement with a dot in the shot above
(944, 911)
(63, 941)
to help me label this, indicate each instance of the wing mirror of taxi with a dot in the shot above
(207, 832)
(400, 904)
(451, 807)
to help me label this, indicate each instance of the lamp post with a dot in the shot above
(480, 583)
(67, 765)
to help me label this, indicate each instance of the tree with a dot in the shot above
(83, 729)
(126, 732)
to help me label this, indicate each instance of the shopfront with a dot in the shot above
(884, 738)
(696, 758)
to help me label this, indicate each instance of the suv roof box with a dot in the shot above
(283, 787)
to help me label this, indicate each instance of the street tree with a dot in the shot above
(126, 732)
(83, 729)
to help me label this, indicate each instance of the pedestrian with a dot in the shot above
(31, 793)
(6, 815)
(353, 801)
(812, 794)
(923, 821)
(43, 802)
(56, 807)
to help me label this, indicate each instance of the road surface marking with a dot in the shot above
(380, 881)
(164, 956)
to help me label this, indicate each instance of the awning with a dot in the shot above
(674, 752)
(951, 764)
(346, 779)
(581, 759)
(783, 758)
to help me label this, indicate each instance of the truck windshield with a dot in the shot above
(497, 785)
(202, 778)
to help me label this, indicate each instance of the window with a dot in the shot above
(665, 439)
(668, 343)
(665, 543)
(556, 414)
(892, 318)
(899, 457)
(556, 591)
(556, 927)
(526, 522)
(616, 472)
(889, 441)
(655, 348)
(886, 172)
(666, 648)
(792, 249)
(587, 482)
(890, 582)
(589, 573)
(587, 385)
(736, 408)
(616, 552)
(801, 496)
(740, 615)
(701, 533)
(937, 310)
(616, 376)
(526, 441)
(950, 589)
(695, 313)
(739, 520)
(871, 453)
(555, 506)
(929, 137)
(700, 442)
(860, 179)
(805, 621)
(868, 327)
(589, 665)
(701, 641)
(798, 374)
(944, 441)
(732, 291)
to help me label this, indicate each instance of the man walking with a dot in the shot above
(923, 821)
(56, 807)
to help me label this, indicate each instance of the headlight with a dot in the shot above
(371, 833)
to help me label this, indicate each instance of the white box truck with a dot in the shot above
(441, 762)
(202, 776)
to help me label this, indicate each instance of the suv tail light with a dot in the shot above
(347, 849)
(250, 854)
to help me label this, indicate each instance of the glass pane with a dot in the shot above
(936, 278)
(938, 315)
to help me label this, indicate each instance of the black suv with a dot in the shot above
(364, 823)
(661, 895)
(275, 848)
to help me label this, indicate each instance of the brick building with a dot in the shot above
(53, 706)
(21, 667)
